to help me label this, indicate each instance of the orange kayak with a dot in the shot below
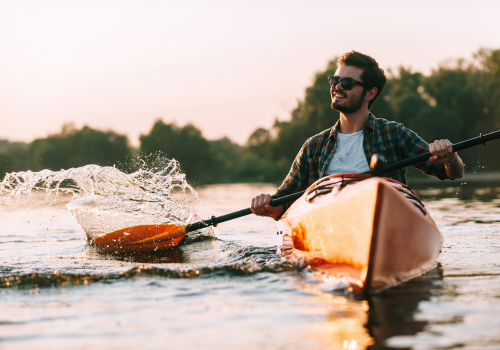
(372, 232)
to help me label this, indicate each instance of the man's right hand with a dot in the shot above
(260, 206)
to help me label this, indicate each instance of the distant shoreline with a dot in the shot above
(468, 177)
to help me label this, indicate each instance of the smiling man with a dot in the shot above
(348, 146)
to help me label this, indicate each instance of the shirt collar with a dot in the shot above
(370, 123)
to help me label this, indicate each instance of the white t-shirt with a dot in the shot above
(349, 156)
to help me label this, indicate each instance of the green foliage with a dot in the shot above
(75, 148)
(440, 119)
(7, 164)
(187, 145)
(403, 95)
(227, 157)
(256, 164)
(259, 143)
(253, 168)
(12, 156)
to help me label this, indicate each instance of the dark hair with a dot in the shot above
(372, 76)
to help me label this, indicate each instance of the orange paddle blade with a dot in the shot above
(142, 238)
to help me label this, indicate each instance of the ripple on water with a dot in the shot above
(243, 295)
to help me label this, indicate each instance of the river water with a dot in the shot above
(231, 291)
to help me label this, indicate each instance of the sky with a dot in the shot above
(228, 67)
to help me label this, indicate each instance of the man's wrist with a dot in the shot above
(455, 168)
(453, 161)
(279, 211)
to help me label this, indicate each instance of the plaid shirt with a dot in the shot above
(391, 139)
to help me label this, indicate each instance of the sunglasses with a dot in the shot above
(347, 83)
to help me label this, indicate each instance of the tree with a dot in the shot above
(403, 92)
(259, 143)
(14, 156)
(227, 157)
(7, 164)
(187, 145)
(434, 123)
(75, 148)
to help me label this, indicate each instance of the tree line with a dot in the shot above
(458, 100)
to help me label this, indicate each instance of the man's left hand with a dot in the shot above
(442, 152)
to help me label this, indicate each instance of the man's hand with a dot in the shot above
(260, 206)
(442, 153)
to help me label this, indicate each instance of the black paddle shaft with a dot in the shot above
(214, 220)
(480, 140)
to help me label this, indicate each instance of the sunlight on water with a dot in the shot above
(106, 200)
(233, 291)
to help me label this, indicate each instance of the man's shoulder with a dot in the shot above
(392, 131)
(382, 123)
(319, 137)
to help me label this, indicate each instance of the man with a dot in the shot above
(348, 146)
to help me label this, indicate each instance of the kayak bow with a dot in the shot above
(373, 233)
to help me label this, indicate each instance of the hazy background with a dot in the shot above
(228, 67)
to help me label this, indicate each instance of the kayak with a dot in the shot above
(373, 233)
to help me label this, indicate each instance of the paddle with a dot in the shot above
(214, 220)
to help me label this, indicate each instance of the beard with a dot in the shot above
(350, 105)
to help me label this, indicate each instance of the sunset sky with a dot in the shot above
(228, 67)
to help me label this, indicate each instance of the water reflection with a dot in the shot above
(392, 312)
(168, 256)
(354, 323)
(343, 327)
(462, 190)
(202, 249)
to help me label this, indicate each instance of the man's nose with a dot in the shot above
(336, 86)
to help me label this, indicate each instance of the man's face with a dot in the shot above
(348, 101)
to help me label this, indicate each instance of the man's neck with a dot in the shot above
(351, 123)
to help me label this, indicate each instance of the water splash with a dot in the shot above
(105, 199)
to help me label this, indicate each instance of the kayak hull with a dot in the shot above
(374, 233)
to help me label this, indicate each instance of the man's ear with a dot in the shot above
(370, 94)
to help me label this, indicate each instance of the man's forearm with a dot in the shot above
(455, 169)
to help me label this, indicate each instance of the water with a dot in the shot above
(231, 291)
